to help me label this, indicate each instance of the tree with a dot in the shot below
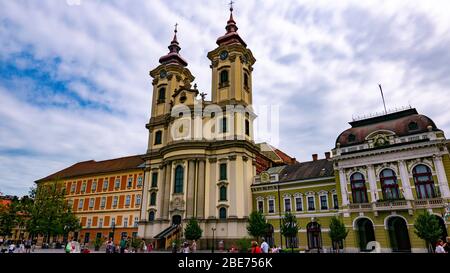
(427, 227)
(50, 214)
(338, 232)
(257, 225)
(8, 218)
(193, 230)
(289, 228)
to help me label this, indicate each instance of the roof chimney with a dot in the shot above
(327, 155)
(314, 156)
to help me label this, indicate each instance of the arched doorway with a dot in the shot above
(176, 220)
(314, 234)
(269, 235)
(365, 232)
(398, 235)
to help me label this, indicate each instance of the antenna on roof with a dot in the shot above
(382, 96)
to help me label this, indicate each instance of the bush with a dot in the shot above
(244, 244)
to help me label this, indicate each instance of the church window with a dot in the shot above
(222, 213)
(161, 94)
(155, 179)
(359, 191)
(223, 171)
(223, 78)
(247, 127)
(153, 199)
(158, 137)
(223, 193)
(245, 80)
(223, 127)
(151, 216)
(179, 173)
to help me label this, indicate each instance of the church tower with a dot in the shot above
(207, 172)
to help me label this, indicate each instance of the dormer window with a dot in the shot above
(223, 78)
(161, 95)
(412, 126)
(351, 138)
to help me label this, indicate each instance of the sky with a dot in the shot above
(74, 81)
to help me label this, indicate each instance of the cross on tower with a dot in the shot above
(176, 27)
(231, 5)
(203, 95)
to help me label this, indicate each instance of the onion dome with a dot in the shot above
(231, 36)
(173, 57)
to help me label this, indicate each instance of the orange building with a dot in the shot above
(105, 195)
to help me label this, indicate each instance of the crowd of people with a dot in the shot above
(21, 246)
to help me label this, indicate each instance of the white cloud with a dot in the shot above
(320, 61)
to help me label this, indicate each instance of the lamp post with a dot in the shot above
(213, 241)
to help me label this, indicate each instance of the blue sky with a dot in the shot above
(74, 81)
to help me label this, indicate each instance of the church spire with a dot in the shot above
(231, 36)
(174, 51)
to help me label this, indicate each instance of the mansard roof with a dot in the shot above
(320, 168)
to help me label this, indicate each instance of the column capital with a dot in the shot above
(232, 157)
(212, 160)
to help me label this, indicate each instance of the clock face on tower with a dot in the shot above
(223, 55)
(163, 74)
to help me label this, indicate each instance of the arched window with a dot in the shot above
(359, 191)
(158, 137)
(223, 193)
(389, 184)
(223, 77)
(222, 213)
(151, 216)
(153, 199)
(179, 176)
(161, 94)
(423, 180)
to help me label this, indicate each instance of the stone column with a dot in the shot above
(166, 197)
(190, 189)
(161, 191)
(442, 178)
(407, 192)
(144, 203)
(372, 183)
(232, 192)
(343, 183)
(201, 190)
(213, 188)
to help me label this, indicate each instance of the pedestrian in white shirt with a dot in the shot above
(264, 246)
(439, 247)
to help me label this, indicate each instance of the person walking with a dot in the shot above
(109, 246)
(440, 247)
(255, 247)
(28, 246)
(174, 247)
(194, 246)
(123, 245)
(186, 247)
(264, 246)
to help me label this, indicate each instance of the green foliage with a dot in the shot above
(8, 219)
(338, 232)
(136, 243)
(193, 230)
(257, 225)
(289, 227)
(50, 213)
(98, 242)
(427, 227)
(244, 244)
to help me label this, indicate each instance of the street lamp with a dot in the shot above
(213, 241)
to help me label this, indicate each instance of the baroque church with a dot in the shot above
(202, 162)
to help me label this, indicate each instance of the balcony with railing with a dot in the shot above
(429, 203)
(401, 204)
